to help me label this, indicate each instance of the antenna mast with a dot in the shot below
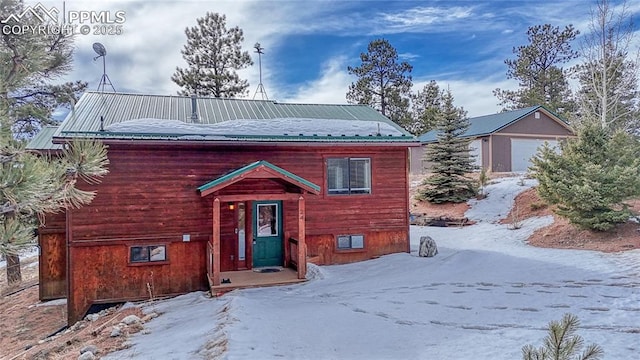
(102, 53)
(260, 89)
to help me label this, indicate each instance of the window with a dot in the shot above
(150, 253)
(346, 242)
(267, 220)
(348, 176)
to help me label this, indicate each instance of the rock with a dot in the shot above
(149, 316)
(128, 305)
(87, 356)
(89, 348)
(116, 331)
(92, 317)
(428, 247)
(131, 319)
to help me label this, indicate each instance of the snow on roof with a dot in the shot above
(261, 127)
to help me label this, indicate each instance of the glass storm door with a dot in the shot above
(267, 233)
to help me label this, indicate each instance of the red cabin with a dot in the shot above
(203, 192)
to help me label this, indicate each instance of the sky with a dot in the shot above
(308, 45)
(485, 295)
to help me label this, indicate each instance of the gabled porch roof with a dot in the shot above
(258, 170)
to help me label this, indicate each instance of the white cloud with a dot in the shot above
(475, 96)
(329, 88)
(408, 56)
(424, 17)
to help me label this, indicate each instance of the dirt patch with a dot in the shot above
(425, 208)
(526, 205)
(28, 325)
(563, 235)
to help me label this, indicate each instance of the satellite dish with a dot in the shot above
(99, 49)
(102, 53)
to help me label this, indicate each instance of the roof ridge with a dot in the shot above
(275, 102)
(173, 96)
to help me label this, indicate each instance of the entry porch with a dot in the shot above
(275, 236)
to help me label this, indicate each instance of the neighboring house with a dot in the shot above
(503, 142)
(203, 188)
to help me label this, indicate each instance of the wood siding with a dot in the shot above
(530, 126)
(150, 196)
(52, 265)
(52, 271)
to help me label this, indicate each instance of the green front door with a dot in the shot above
(267, 233)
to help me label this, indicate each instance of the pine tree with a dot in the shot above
(425, 105)
(538, 70)
(562, 343)
(608, 75)
(213, 54)
(451, 159)
(31, 104)
(383, 82)
(32, 185)
(591, 178)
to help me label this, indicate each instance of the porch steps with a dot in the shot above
(247, 279)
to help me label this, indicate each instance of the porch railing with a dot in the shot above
(293, 252)
(210, 262)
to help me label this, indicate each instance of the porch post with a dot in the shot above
(302, 245)
(216, 242)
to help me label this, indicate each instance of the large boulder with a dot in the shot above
(428, 247)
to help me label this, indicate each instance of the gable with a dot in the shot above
(543, 125)
(258, 170)
(546, 124)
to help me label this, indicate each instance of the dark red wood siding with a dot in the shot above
(150, 196)
(53, 257)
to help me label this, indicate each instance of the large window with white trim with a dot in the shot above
(348, 176)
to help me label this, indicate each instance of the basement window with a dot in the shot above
(348, 242)
(147, 254)
(348, 176)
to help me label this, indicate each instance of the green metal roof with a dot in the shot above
(118, 110)
(42, 140)
(229, 177)
(488, 124)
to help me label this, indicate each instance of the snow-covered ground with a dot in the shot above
(484, 296)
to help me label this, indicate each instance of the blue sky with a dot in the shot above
(309, 44)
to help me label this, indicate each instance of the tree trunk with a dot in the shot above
(14, 275)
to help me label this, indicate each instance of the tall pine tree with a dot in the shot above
(451, 158)
(384, 82)
(213, 54)
(538, 69)
(32, 103)
(425, 105)
(32, 185)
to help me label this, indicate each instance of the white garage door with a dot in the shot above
(475, 149)
(522, 150)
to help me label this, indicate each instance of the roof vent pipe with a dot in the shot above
(194, 109)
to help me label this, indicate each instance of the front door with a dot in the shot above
(267, 233)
